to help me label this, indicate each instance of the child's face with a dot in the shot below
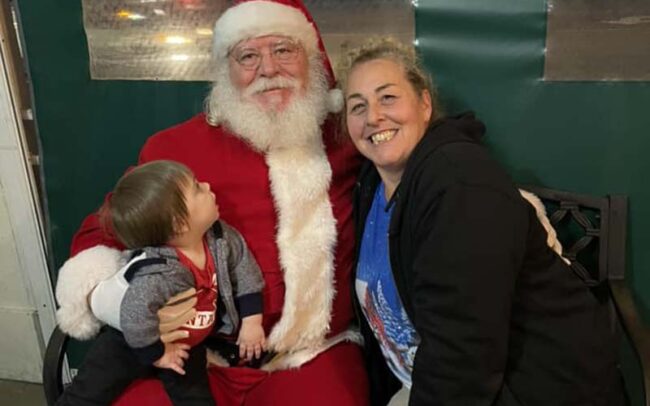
(202, 210)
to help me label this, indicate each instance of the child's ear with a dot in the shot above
(180, 226)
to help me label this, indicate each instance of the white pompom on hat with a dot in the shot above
(248, 19)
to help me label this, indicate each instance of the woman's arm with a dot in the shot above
(470, 244)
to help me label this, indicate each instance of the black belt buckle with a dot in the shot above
(230, 352)
(264, 359)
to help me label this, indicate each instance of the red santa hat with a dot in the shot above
(255, 18)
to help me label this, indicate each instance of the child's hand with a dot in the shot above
(174, 357)
(251, 338)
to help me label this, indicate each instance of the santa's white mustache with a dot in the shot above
(263, 84)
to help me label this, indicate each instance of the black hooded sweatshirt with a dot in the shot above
(502, 319)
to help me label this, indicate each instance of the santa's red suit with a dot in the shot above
(239, 177)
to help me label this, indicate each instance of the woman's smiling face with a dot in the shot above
(385, 116)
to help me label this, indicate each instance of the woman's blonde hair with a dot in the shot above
(394, 50)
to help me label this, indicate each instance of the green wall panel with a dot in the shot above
(590, 137)
(90, 130)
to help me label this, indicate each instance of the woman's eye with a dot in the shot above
(388, 98)
(357, 109)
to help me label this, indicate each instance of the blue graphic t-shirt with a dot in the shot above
(378, 294)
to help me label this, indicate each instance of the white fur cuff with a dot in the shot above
(77, 278)
(301, 357)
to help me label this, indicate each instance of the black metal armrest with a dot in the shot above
(595, 227)
(53, 366)
(636, 329)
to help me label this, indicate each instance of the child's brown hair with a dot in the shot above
(148, 204)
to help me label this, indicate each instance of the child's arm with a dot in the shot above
(146, 295)
(247, 282)
(251, 338)
(245, 274)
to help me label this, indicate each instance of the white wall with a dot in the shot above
(26, 302)
(20, 344)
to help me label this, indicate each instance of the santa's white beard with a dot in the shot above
(297, 125)
(299, 175)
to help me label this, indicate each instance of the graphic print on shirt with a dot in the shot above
(378, 294)
(389, 326)
(205, 282)
(204, 318)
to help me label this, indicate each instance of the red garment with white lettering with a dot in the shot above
(205, 281)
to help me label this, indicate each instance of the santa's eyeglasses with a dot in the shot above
(283, 52)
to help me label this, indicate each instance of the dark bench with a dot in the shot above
(593, 232)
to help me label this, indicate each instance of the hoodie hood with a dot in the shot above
(463, 127)
(469, 125)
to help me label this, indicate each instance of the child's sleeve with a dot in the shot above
(139, 311)
(245, 274)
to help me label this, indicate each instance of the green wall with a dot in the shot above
(90, 130)
(487, 56)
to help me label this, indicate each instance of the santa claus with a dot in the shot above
(282, 175)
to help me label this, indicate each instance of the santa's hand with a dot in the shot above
(179, 310)
(174, 357)
(251, 338)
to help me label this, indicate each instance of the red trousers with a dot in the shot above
(335, 377)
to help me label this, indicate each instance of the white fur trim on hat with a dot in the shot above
(258, 18)
(77, 278)
(335, 100)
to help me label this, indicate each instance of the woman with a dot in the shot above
(464, 302)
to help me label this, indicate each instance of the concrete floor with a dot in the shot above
(14, 393)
